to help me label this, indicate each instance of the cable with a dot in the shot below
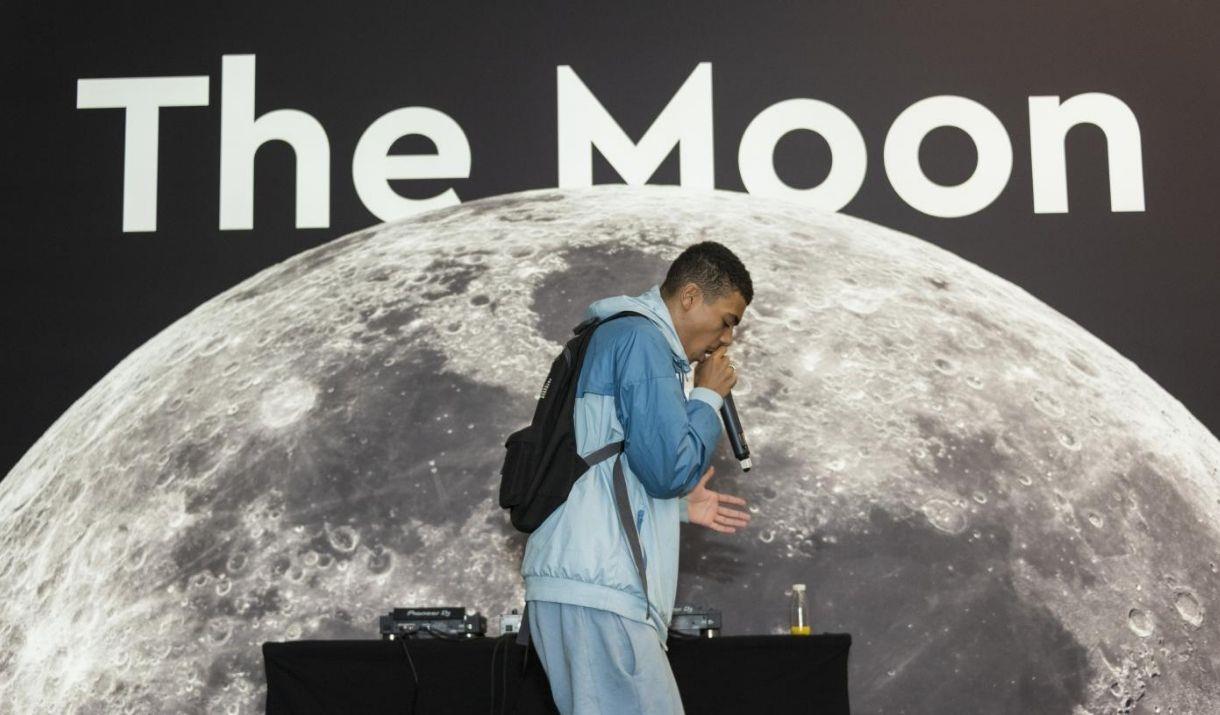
(414, 675)
(492, 709)
(504, 671)
(442, 635)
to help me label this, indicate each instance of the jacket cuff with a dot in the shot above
(707, 395)
(683, 514)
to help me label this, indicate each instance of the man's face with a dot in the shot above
(703, 327)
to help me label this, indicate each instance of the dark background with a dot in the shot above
(80, 295)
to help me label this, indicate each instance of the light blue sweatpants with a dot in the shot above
(599, 662)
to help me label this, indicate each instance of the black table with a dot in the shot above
(727, 674)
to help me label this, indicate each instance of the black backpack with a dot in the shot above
(542, 464)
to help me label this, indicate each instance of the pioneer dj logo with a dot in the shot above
(428, 613)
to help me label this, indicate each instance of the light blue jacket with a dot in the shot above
(631, 388)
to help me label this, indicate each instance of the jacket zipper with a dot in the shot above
(639, 524)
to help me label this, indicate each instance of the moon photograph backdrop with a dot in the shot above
(999, 507)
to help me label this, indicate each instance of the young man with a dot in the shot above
(600, 638)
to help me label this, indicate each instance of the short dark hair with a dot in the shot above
(712, 267)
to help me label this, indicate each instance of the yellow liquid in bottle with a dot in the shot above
(801, 630)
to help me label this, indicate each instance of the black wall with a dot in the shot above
(80, 293)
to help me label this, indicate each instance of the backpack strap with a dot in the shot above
(624, 516)
(604, 453)
(623, 505)
(621, 501)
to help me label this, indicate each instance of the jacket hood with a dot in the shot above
(651, 304)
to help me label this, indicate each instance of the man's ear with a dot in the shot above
(690, 294)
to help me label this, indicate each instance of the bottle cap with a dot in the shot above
(798, 587)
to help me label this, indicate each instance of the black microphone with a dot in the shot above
(737, 437)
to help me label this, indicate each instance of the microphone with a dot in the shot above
(737, 437)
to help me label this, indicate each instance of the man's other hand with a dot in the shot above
(709, 508)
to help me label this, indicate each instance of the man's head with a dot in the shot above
(707, 290)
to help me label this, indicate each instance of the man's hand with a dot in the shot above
(708, 508)
(716, 373)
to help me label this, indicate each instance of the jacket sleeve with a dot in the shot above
(670, 440)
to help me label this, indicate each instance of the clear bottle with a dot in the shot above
(800, 611)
